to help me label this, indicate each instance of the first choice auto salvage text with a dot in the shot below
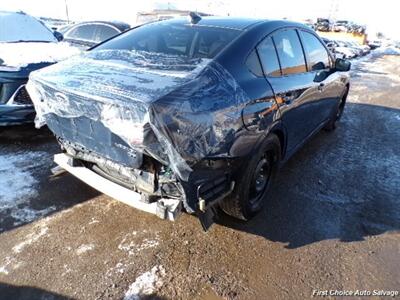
(382, 293)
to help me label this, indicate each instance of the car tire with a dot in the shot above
(250, 192)
(337, 114)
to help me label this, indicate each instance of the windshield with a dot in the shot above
(19, 27)
(174, 39)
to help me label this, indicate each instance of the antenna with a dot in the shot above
(194, 17)
(66, 10)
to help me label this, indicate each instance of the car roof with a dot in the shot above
(119, 25)
(224, 22)
(236, 23)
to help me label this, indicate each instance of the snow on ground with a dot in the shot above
(18, 185)
(389, 50)
(84, 248)
(146, 284)
(30, 239)
(130, 245)
(12, 262)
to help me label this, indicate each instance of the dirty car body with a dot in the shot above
(175, 109)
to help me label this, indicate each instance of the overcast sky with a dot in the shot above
(379, 15)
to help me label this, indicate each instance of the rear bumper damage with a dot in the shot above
(152, 187)
(164, 208)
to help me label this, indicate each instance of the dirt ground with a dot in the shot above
(331, 223)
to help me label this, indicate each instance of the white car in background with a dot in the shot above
(26, 45)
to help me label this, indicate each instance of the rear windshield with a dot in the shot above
(174, 39)
(18, 27)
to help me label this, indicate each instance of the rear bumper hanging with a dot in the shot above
(164, 208)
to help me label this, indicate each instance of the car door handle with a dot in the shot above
(321, 87)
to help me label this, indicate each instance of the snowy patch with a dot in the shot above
(119, 268)
(390, 50)
(30, 239)
(84, 248)
(146, 284)
(3, 270)
(93, 221)
(66, 270)
(20, 55)
(134, 247)
(17, 26)
(26, 214)
(17, 185)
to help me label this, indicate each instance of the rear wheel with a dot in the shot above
(252, 188)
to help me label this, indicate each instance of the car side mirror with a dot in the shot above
(342, 65)
(58, 35)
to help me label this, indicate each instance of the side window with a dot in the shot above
(83, 32)
(269, 60)
(317, 56)
(290, 52)
(104, 32)
(253, 63)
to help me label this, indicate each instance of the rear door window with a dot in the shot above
(104, 32)
(83, 32)
(253, 63)
(317, 56)
(268, 57)
(290, 52)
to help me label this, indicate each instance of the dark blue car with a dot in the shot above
(203, 109)
(26, 45)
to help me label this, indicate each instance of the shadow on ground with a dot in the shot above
(343, 185)
(8, 292)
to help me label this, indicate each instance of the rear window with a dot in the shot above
(173, 39)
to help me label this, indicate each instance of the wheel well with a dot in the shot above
(281, 137)
(346, 91)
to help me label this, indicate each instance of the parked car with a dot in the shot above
(330, 44)
(341, 25)
(88, 34)
(323, 24)
(365, 49)
(201, 111)
(26, 45)
(374, 44)
(349, 50)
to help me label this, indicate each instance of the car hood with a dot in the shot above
(21, 55)
(193, 106)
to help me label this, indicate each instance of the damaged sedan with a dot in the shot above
(196, 112)
(26, 45)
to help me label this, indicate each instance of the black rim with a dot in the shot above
(259, 182)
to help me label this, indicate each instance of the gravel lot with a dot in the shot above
(332, 222)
